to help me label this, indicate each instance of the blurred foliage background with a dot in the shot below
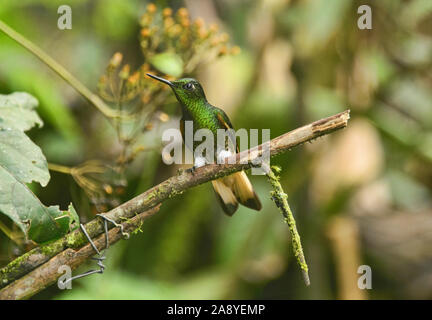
(360, 196)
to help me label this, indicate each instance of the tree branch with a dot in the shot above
(47, 274)
(165, 190)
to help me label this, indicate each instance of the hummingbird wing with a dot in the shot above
(225, 123)
(223, 119)
(234, 188)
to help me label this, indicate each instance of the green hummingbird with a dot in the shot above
(230, 190)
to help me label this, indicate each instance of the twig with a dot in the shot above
(59, 168)
(281, 200)
(169, 189)
(58, 68)
(8, 232)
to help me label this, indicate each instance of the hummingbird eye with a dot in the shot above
(189, 86)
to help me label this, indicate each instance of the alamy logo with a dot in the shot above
(65, 20)
(365, 280)
(365, 20)
(64, 281)
(209, 148)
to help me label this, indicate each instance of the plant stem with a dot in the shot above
(6, 231)
(60, 70)
(59, 168)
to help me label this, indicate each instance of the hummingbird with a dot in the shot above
(230, 190)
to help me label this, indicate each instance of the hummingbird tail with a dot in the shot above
(234, 189)
(225, 196)
(244, 191)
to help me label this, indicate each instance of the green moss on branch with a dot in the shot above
(280, 198)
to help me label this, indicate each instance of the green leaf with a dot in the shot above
(22, 158)
(168, 63)
(17, 111)
(22, 161)
(39, 222)
(18, 154)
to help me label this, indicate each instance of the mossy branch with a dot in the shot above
(60, 70)
(47, 274)
(280, 198)
(166, 190)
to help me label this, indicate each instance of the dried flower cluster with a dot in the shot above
(191, 43)
(191, 40)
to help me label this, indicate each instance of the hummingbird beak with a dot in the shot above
(160, 79)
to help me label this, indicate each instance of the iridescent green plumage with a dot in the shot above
(195, 107)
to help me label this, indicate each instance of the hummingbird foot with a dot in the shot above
(198, 162)
(222, 155)
(191, 170)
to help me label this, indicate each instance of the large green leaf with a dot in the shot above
(22, 161)
(17, 111)
(22, 158)
(40, 223)
(18, 154)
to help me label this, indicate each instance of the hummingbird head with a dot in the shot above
(187, 90)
